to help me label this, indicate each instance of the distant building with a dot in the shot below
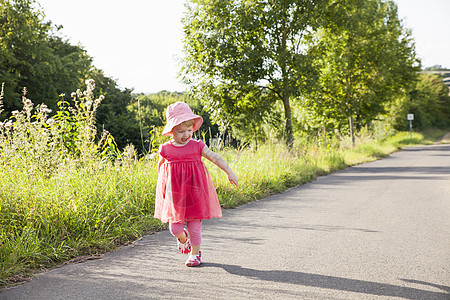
(446, 81)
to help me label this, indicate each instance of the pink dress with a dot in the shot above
(185, 191)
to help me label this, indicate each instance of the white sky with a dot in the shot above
(137, 42)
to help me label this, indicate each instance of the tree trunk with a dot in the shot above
(288, 117)
(352, 133)
(256, 139)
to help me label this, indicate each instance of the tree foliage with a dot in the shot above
(33, 56)
(147, 114)
(254, 64)
(429, 101)
(366, 59)
(342, 59)
(243, 56)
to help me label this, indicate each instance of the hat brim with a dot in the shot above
(171, 123)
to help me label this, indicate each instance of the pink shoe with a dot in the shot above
(186, 247)
(194, 260)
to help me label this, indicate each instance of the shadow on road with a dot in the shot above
(336, 283)
(442, 287)
(395, 170)
(444, 147)
(388, 173)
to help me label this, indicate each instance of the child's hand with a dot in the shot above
(232, 178)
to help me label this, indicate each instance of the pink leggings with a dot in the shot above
(194, 227)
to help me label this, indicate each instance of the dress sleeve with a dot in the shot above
(201, 145)
(161, 150)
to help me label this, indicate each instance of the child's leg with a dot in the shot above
(195, 232)
(177, 230)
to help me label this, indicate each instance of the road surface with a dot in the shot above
(379, 230)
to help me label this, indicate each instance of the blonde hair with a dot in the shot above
(188, 123)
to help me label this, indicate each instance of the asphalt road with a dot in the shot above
(379, 230)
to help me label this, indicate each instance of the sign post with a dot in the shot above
(410, 118)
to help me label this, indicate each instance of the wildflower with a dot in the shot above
(90, 81)
(73, 95)
(150, 156)
(88, 103)
(97, 101)
(79, 93)
(15, 112)
(101, 97)
(28, 102)
(50, 121)
(8, 124)
(62, 95)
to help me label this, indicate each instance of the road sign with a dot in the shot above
(410, 117)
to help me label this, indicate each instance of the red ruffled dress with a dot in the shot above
(185, 190)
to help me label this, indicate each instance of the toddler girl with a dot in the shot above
(185, 192)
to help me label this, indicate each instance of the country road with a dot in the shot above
(379, 230)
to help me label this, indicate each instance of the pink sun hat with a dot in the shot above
(177, 113)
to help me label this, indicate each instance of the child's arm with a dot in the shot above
(218, 161)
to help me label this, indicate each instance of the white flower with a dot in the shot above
(50, 121)
(101, 97)
(8, 124)
(28, 102)
(73, 95)
(88, 103)
(15, 112)
(150, 156)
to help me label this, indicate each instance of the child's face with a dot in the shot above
(182, 134)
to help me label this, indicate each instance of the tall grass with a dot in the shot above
(61, 196)
(272, 168)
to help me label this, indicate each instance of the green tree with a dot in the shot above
(71, 66)
(21, 31)
(242, 56)
(366, 59)
(112, 115)
(146, 113)
(436, 68)
(429, 101)
(33, 56)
